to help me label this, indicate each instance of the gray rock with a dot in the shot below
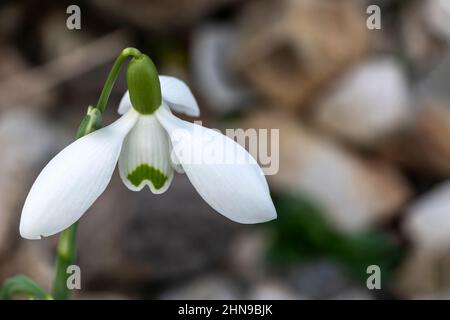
(427, 221)
(319, 279)
(423, 273)
(368, 104)
(287, 53)
(272, 290)
(347, 187)
(247, 253)
(437, 16)
(211, 60)
(354, 294)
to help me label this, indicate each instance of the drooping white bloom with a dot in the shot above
(148, 148)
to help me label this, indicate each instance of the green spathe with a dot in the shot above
(143, 85)
(146, 172)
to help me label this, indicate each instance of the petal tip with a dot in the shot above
(28, 233)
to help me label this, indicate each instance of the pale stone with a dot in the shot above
(247, 254)
(212, 70)
(427, 221)
(368, 104)
(272, 290)
(426, 146)
(423, 274)
(437, 16)
(354, 193)
(289, 49)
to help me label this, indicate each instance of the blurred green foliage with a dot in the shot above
(301, 232)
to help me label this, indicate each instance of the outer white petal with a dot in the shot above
(125, 103)
(223, 173)
(178, 96)
(71, 182)
(145, 157)
(174, 162)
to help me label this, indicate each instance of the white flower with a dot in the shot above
(148, 148)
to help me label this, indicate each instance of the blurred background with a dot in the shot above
(364, 120)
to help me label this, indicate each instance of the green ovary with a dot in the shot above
(146, 172)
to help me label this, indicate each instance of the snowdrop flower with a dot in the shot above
(149, 143)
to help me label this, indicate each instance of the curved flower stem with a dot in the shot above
(66, 251)
(104, 96)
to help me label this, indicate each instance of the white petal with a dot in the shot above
(125, 103)
(178, 96)
(71, 182)
(223, 173)
(175, 163)
(145, 157)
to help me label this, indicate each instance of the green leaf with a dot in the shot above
(301, 232)
(22, 285)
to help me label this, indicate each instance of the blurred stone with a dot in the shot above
(427, 221)
(247, 254)
(272, 290)
(159, 15)
(210, 287)
(130, 240)
(422, 274)
(57, 39)
(320, 279)
(290, 49)
(425, 146)
(430, 142)
(422, 33)
(426, 224)
(27, 142)
(213, 74)
(348, 188)
(437, 16)
(368, 104)
(354, 294)
(432, 86)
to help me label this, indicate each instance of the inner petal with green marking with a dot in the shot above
(145, 157)
(147, 172)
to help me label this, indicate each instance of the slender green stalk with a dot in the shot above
(66, 251)
(104, 96)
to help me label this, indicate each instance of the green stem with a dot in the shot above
(104, 96)
(66, 251)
